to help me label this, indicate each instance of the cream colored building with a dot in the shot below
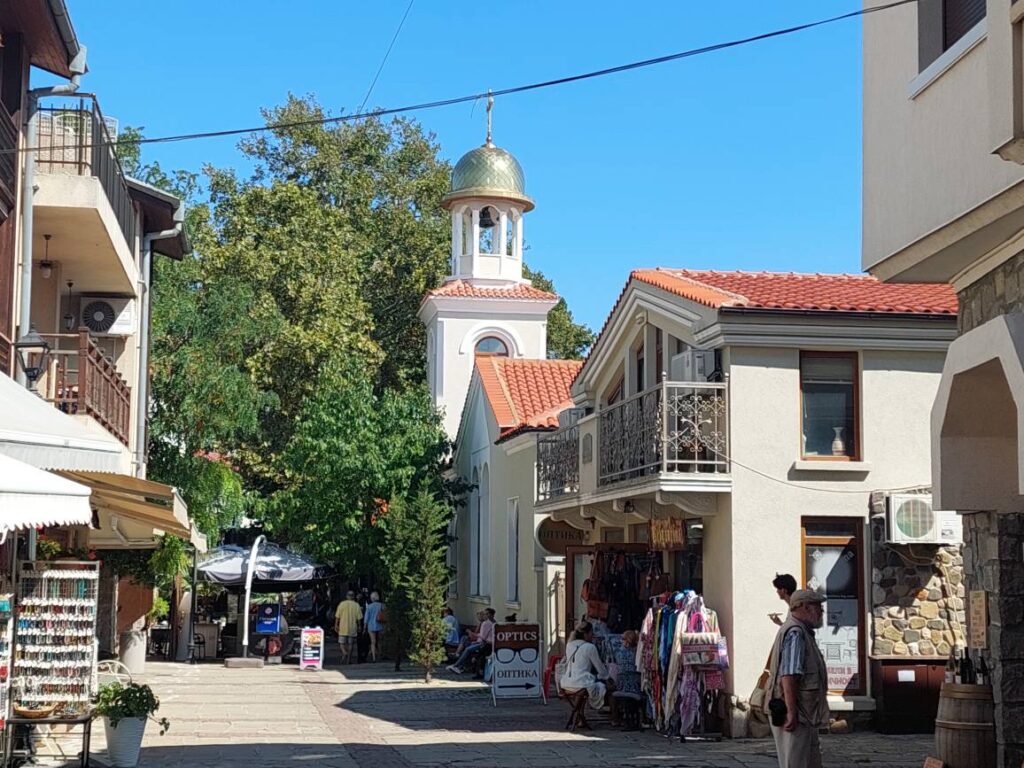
(944, 202)
(763, 409)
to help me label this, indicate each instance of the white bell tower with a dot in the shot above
(484, 306)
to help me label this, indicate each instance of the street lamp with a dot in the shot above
(33, 352)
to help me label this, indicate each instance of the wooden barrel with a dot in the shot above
(965, 733)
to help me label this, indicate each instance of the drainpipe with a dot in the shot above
(142, 388)
(28, 194)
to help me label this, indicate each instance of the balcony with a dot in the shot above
(670, 438)
(83, 199)
(8, 162)
(82, 380)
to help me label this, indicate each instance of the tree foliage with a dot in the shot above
(417, 542)
(567, 339)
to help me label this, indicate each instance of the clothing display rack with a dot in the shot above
(55, 634)
(681, 656)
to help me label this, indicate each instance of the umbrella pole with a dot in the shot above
(248, 594)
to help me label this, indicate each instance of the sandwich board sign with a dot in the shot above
(311, 648)
(516, 662)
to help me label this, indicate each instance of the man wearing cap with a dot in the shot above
(799, 677)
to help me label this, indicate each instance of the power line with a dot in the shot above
(505, 91)
(387, 53)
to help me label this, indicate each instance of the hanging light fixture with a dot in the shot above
(46, 266)
(69, 319)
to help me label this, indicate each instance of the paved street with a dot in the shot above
(370, 717)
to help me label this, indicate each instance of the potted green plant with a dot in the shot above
(125, 710)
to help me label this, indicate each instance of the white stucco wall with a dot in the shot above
(455, 336)
(915, 146)
(764, 533)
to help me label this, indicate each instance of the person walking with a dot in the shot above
(785, 586)
(347, 619)
(374, 620)
(799, 679)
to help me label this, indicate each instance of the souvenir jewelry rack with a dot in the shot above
(55, 633)
(6, 653)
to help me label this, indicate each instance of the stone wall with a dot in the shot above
(1000, 292)
(917, 597)
(994, 562)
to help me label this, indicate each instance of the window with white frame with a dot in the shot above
(483, 569)
(941, 24)
(513, 551)
(474, 536)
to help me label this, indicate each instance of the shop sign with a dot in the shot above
(978, 620)
(516, 672)
(556, 537)
(668, 534)
(311, 648)
(268, 619)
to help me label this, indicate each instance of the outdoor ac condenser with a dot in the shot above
(911, 520)
(108, 316)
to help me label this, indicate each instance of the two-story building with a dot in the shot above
(77, 240)
(944, 202)
(768, 415)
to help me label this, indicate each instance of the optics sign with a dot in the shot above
(516, 662)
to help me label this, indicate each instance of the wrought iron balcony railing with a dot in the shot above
(672, 427)
(75, 139)
(558, 463)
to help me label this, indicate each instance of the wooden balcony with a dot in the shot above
(82, 380)
(669, 438)
(8, 162)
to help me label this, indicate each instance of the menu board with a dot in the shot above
(311, 648)
(978, 620)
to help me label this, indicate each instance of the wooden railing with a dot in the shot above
(6, 356)
(81, 379)
(8, 158)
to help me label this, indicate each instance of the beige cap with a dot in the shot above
(802, 596)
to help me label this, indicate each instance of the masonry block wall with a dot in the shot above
(1000, 292)
(994, 562)
(917, 597)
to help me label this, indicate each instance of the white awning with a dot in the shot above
(30, 497)
(36, 433)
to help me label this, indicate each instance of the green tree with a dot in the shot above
(417, 533)
(567, 339)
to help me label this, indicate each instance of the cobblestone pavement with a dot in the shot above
(370, 717)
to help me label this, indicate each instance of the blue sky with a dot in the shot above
(743, 159)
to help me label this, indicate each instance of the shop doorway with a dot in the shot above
(578, 566)
(833, 562)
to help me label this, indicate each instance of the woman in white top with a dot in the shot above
(584, 668)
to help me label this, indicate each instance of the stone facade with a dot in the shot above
(917, 598)
(994, 562)
(1000, 292)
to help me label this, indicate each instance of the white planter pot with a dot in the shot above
(124, 741)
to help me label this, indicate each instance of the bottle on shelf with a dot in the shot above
(951, 667)
(957, 668)
(983, 675)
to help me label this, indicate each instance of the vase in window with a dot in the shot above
(838, 446)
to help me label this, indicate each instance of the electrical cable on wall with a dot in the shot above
(385, 112)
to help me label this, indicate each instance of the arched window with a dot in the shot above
(492, 345)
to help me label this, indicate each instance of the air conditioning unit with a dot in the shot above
(912, 520)
(570, 416)
(106, 316)
(692, 365)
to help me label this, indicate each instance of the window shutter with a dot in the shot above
(959, 17)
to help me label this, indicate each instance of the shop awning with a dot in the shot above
(30, 497)
(141, 502)
(36, 433)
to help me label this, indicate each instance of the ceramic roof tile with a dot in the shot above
(792, 291)
(463, 289)
(526, 394)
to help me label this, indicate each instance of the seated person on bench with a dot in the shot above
(584, 668)
(479, 642)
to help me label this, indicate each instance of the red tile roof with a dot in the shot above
(791, 291)
(465, 290)
(526, 394)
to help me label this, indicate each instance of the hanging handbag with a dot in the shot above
(595, 592)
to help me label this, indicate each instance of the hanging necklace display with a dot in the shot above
(55, 634)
